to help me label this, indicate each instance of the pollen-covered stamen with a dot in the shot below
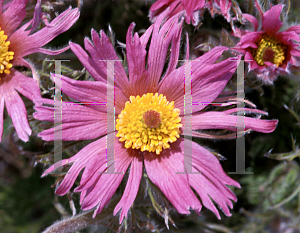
(149, 123)
(269, 49)
(152, 119)
(5, 55)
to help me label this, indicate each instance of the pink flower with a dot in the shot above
(15, 44)
(149, 108)
(192, 8)
(272, 52)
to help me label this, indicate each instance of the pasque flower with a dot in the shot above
(270, 52)
(16, 43)
(191, 8)
(149, 113)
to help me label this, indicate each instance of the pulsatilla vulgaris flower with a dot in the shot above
(192, 8)
(15, 44)
(270, 52)
(149, 112)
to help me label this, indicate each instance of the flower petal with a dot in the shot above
(1, 116)
(17, 111)
(106, 185)
(26, 86)
(212, 180)
(91, 93)
(132, 186)
(252, 20)
(220, 120)
(25, 45)
(271, 19)
(13, 16)
(164, 171)
(136, 55)
(161, 38)
(78, 122)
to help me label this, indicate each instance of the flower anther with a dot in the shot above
(149, 123)
(5, 55)
(269, 49)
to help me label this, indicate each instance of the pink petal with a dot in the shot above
(86, 61)
(286, 36)
(174, 52)
(136, 55)
(79, 122)
(131, 188)
(29, 64)
(161, 38)
(220, 120)
(37, 15)
(163, 170)
(249, 40)
(271, 19)
(160, 6)
(13, 16)
(26, 86)
(80, 160)
(92, 92)
(190, 6)
(252, 20)
(212, 180)
(145, 37)
(26, 45)
(17, 111)
(100, 52)
(172, 85)
(295, 28)
(1, 117)
(104, 188)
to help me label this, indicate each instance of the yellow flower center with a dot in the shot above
(269, 49)
(149, 123)
(5, 55)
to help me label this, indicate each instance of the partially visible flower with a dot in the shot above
(15, 44)
(272, 52)
(192, 9)
(149, 108)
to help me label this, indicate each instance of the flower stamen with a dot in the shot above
(5, 55)
(149, 123)
(269, 49)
